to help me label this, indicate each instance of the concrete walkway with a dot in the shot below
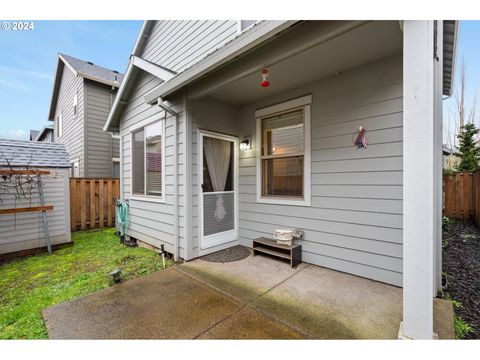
(255, 298)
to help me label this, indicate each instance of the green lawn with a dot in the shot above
(28, 285)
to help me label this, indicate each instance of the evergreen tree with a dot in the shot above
(468, 151)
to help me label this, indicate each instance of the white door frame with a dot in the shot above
(231, 235)
(216, 240)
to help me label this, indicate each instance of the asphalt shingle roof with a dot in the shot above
(33, 154)
(88, 68)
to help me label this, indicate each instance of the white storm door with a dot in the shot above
(217, 189)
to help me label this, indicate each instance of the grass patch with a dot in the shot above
(29, 285)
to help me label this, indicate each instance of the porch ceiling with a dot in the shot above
(341, 51)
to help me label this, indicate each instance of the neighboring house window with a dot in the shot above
(148, 160)
(245, 24)
(283, 133)
(116, 168)
(75, 104)
(75, 168)
(60, 125)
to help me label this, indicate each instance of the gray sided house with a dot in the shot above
(83, 94)
(25, 231)
(210, 158)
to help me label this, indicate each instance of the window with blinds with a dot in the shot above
(282, 155)
(147, 160)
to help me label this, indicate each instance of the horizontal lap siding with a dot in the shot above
(25, 231)
(152, 222)
(99, 147)
(73, 127)
(177, 45)
(354, 223)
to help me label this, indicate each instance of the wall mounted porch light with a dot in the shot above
(246, 143)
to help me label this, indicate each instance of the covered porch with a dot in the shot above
(361, 211)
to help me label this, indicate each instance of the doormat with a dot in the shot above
(234, 253)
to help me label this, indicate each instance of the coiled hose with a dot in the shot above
(122, 216)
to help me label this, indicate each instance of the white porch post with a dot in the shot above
(419, 189)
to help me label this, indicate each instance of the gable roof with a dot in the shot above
(135, 65)
(34, 154)
(240, 44)
(84, 69)
(41, 133)
(33, 134)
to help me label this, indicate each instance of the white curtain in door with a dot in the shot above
(217, 153)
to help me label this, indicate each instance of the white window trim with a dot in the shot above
(116, 159)
(72, 163)
(75, 106)
(302, 102)
(134, 128)
(60, 124)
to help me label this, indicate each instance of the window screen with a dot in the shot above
(138, 162)
(153, 153)
(283, 155)
(147, 160)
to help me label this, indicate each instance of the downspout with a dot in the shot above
(168, 110)
(175, 188)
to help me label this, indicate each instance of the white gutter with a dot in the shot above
(455, 45)
(244, 42)
(141, 37)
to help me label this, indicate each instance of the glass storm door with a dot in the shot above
(218, 198)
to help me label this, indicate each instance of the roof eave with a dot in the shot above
(117, 107)
(142, 37)
(454, 57)
(56, 82)
(99, 80)
(234, 48)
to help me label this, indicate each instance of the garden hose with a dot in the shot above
(122, 216)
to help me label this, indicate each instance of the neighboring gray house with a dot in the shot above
(24, 231)
(33, 135)
(83, 94)
(192, 94)
(45, 135)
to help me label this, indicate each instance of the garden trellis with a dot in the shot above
(24, 183)
(34, 197)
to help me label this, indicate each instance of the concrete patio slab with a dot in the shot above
(251, 324)
(163, 305)
(328, 304)
(246, 279)
(254, 298)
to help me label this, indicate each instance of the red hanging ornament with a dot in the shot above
(265, 82)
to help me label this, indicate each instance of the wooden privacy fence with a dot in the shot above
(92, 203)
(461, 193)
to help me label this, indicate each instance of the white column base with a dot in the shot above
(402, 336)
